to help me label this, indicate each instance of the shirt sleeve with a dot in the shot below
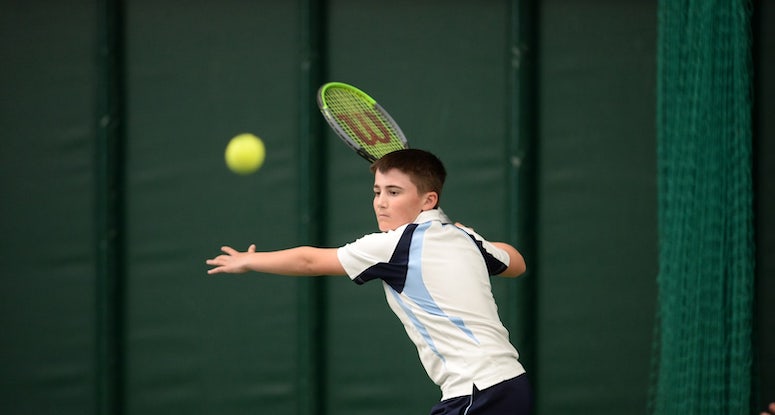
(367, 251)
(497, 260)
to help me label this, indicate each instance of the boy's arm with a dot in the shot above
(303, 260)
(517, 265)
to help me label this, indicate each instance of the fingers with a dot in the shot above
(219, 266)
(229, 250)
(217, 261)
(222, 262)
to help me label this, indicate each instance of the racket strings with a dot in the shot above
(364, 122)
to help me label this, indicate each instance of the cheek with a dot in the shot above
(408, 213)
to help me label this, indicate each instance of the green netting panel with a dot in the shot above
(703, 344)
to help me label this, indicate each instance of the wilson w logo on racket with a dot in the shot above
(359, 121)
(359, 125)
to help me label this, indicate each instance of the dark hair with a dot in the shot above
(424, 169)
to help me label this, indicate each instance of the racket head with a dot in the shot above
(360, 121)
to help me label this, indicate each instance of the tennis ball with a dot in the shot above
(245, 153)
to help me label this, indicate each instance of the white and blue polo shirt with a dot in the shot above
(437, 281)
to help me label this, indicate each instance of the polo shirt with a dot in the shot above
(436, 278)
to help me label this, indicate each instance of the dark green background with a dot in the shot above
(195, 73)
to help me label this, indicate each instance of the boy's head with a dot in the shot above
(406, 183)
(424, 169)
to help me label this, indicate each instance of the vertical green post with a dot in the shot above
(312, 166)
(109, 209)
(522, 172)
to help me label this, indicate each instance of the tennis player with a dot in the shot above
(436, 277)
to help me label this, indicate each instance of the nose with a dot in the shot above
(380, 200)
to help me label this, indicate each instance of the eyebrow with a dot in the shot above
(389, 187)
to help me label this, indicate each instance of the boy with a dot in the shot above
(436, 280)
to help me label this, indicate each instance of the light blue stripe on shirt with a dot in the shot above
(416, 290)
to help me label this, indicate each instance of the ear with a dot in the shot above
(430, 200)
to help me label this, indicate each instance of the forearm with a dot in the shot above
(303, 260)
(297, 261)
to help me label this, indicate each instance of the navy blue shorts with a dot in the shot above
(510, 397)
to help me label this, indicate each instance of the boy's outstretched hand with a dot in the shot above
(232, 261)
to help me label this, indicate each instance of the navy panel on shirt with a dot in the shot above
(494, 265)
(393, 272)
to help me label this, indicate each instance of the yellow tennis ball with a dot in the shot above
(245, 154)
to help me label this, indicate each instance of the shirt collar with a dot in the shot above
(431, 215)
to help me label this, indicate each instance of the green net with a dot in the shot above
(702, 353)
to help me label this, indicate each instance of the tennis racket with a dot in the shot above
(359, 121)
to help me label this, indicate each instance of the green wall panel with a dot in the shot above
(46, 233)
(597, 206)
(197, 74)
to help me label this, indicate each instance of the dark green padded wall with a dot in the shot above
(597, 205)
(197, 74)
(47, 253)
